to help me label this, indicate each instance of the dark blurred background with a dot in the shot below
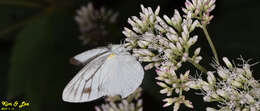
(38, 37)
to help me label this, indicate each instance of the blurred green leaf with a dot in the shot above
(39, 61)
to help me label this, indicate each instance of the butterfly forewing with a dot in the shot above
(83, 87)
(89, 55)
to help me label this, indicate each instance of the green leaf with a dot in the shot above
(39, 62)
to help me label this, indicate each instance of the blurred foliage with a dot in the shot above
(37, 38)
(41, 58)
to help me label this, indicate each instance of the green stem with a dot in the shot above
(20, 3)
(130, 98)
(213, 49)
(198, 66)
(180, 94)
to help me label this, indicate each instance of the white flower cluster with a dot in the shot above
(131, 103)
(200, 9)
(154, 40)
(164, 43)
(236, 90)
(93, 22)
(172, 83)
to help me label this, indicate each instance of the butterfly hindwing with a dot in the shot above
(124, 74)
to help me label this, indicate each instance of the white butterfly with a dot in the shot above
(108, 71)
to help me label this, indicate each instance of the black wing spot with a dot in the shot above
(88, 90)
(99, 88)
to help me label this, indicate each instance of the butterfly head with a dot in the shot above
(118, 49)
(110, 55)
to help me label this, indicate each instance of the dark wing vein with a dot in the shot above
(81, 78)
(92, 58)
(91, 80)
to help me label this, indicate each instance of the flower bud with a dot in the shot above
(249, 98)
(179, 47)
(207, 98)
(142, 44)
(168, 20)
(176, 106)
(149, 66)
(172, 31)
(246, 109)
(184, 10)
(159, 28)
(236, 84)
(172, 37)
(197, 51)
(137, 29)
(164, 91)
(138, 21)
(157, 11)
(177, 16)
(162, 84)
(227, 62)
(189, 5)
(173, 46)
(222, 93)
(192, 84)
(198, 59)
(248, 72)
(145, 52)
(211, 78)
(188, 103)
(185, 34)
(131, 22)
(211, 2)
(210, 109)
(168, 101)
(194, 25)
(222, 73)
(145, 59)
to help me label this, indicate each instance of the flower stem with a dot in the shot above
(213, 49)
(180, 94)
(130, 98)
(198, 66)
